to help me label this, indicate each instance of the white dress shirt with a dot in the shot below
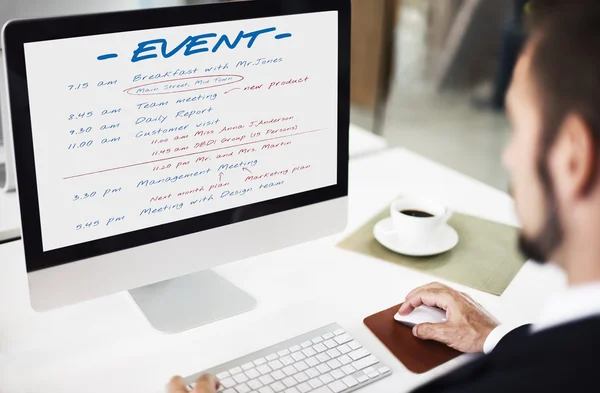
(573, 304)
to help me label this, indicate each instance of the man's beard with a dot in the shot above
(541, 247)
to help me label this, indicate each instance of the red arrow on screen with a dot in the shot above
(247, 170)
(221, 176)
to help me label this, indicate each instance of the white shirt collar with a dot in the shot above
(572, 304)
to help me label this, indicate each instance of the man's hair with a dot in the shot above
(565, 64)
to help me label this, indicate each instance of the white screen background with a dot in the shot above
(83, 196)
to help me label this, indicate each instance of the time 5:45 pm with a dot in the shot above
(98, 223)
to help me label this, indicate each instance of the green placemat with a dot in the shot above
(486, 258)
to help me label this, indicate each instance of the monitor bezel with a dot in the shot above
(17, 33)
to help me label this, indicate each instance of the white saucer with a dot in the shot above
(444, 239)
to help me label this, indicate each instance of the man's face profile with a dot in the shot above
(526, 160)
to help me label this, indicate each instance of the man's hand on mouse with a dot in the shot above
(467, 324)
(204, 384)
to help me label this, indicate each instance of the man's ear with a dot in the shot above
(573, 159)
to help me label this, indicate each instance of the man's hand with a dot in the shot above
(467, 323)
(204, 384)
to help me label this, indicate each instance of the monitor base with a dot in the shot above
(187, 302)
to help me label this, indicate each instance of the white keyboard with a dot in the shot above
(326, 360)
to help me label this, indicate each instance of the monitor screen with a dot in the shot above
(138, 129)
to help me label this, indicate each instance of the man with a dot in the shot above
(554, 163)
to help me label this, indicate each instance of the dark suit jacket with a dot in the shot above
(564, 359)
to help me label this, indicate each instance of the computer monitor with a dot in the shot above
(153, 145)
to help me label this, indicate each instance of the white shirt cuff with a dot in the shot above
(496, 335)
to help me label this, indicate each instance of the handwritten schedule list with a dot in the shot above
(138, 129)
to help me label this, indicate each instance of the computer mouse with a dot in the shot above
(422, 314)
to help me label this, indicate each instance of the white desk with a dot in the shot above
(10, 219)
(107, 346)
(362, 143)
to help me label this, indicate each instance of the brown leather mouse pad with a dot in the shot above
(417, 355)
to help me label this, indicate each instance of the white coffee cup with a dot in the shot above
(414, 229)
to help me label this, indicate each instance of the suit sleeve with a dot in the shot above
(503, 335)
(496, 336)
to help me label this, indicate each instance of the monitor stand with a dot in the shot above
(187, 302)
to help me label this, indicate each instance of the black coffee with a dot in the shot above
(416, 213)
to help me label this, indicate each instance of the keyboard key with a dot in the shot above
(272, 357)
(295, 348)
(312, 373)
(223, 375)
(308, 352)
(362, 378)
(323, 357)
(315, 383)
(359, 354)
(247, 366)
(330, 344)
(338, 332)
(312, 361)
(292, 390)
(260, 361)
(327, 336)
(264, 369)
(334, 364)
(240, 378)
(252, 374)
(338, 374)
(284, 352)
(337, 386)
(317, 340)
(344, 349)
(334, 353)
(287, 360)
(275, 364)
(320, 348)
(304, 387)
(374, 374)
(230, 390)
(322, 389)
(348, 369)
(350, 381)
(266, 389)
(326, 378)
(365, 362)
(289, 370)
(298, 356)
(228, 382)
(235, 370)
(354, 345)
(323, 368)
(277, 375)
(345, 359)
(301, 365)
(266, 379)
(301, 377)
(306, 344)
(343, 339)
(289, 382)
(278, 387)
(243, 388)
(384, 370)
(368, 370)
(255, 384)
